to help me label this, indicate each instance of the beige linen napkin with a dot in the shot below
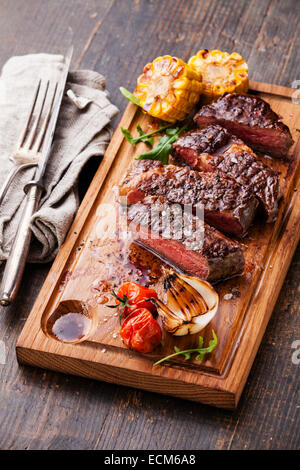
(83, 131)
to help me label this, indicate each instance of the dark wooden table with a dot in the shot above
(45, 410)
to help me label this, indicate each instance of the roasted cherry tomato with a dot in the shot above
(140, 331)
(131, 296)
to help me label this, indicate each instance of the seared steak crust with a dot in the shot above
(227, 206)
(212, 139)
(250, 118)
(204, 252)
(214, 149)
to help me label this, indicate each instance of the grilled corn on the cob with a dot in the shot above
(168, 88)
(221, 72)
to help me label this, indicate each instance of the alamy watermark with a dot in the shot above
(152, 219)
(296, 94)
(296, 353)
(2, 353)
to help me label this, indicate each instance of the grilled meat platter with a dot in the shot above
(182, 244)
(215, 153)
(204, 174)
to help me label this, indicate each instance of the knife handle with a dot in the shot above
(16, 261)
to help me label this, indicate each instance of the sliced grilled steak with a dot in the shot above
(204, 252)
(250, 118)
(227, 206)
(213, 148)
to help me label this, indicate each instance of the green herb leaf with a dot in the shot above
(128, 136)
(188, 352)
(129, 96)
(143, 137)
(172, 131)
(163, 149)
(200, 341)
(200, 357)
(187, 355)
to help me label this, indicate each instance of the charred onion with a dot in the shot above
(191, 304)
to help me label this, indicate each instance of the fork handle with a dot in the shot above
(11, 175)
(17, 257)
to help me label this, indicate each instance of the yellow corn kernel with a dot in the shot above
(168, 88)
(221, 72)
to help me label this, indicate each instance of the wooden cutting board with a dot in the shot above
(87, 266)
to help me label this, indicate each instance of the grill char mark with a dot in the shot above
(214, 149)
(227, 206)
(250, 118)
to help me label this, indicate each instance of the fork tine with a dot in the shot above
(44, 127)
(30, 139)
(23, 134)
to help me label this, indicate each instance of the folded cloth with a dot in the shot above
(82, 131)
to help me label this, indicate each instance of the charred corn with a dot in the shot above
(168, 88)
(221, 72)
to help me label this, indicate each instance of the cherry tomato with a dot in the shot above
(140, 331)
(136, 296)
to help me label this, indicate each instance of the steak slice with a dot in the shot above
(198, 250)
(250, 118)
(213, 148)
(228, 206)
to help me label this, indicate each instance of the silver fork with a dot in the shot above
(28, 149)
(29, 146)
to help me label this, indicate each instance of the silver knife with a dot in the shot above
(17, 258)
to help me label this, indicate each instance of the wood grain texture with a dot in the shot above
(40, 410)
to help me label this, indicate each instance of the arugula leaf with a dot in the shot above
(172, 131)
(143, 137)
(188, 352)
(162, 150)
(187, 355)
(200, 356)
(129, 96)
(128, 136)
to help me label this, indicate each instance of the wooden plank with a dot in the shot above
(269, 248)
(34, 26)
(272, 39)
(183, 29)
